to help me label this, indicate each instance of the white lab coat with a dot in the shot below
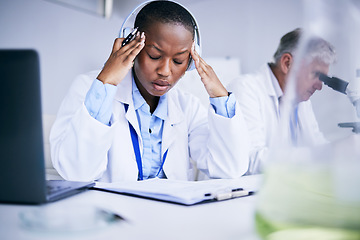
(84, 149)
(260, 106)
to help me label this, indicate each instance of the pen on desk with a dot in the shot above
(129, 37)
(111, 216)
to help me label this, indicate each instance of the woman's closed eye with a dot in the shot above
(180, 59)
(178, 62)
(154, 57)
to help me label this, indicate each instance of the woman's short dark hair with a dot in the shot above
(164, 12)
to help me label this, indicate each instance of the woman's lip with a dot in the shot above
(160, 85)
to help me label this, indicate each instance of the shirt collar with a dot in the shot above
(161, 110)
(138, 99)
(278, 92)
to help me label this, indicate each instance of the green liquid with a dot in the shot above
(280, 231)
(300, 202)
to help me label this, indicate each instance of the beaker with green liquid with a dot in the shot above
(311, 186)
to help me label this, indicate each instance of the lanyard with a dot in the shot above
(135, 143)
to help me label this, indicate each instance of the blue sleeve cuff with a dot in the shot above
(99, 100)
(224, 106)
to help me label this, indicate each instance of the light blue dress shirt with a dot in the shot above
(151, 128)
(99, 101)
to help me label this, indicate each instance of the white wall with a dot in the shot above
(71, 42)
(252, 28)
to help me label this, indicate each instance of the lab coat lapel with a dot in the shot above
(124, 96)
(270, 88)
(175, 116)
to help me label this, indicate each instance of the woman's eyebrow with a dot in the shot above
(185, 51)
(156, 48)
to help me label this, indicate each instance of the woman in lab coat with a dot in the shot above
(127, 122)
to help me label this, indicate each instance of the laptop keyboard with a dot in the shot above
(56, 188)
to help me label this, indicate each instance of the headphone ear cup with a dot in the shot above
(191, 65)
(198, 49)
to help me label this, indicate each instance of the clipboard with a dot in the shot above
(180, 192)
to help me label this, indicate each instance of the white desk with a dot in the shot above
(146, 219)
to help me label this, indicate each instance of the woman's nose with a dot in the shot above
(164, 68)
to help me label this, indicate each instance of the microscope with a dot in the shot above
(351, 89)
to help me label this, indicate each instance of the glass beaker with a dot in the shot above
(311, 186)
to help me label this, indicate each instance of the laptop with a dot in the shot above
(22, 169)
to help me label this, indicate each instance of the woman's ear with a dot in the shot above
(286, 62)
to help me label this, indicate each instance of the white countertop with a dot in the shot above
(145, 219)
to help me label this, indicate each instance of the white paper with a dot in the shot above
(184, 192)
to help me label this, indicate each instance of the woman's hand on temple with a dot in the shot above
(121, 60)
(209, 78)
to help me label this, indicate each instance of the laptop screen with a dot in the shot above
(22, 173)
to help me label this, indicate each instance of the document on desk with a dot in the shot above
(182, 192)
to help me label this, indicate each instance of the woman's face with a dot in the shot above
(164, 59)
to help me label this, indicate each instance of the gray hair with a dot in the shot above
(316, 47)
(320, 49)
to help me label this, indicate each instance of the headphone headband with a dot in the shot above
(134, 12)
